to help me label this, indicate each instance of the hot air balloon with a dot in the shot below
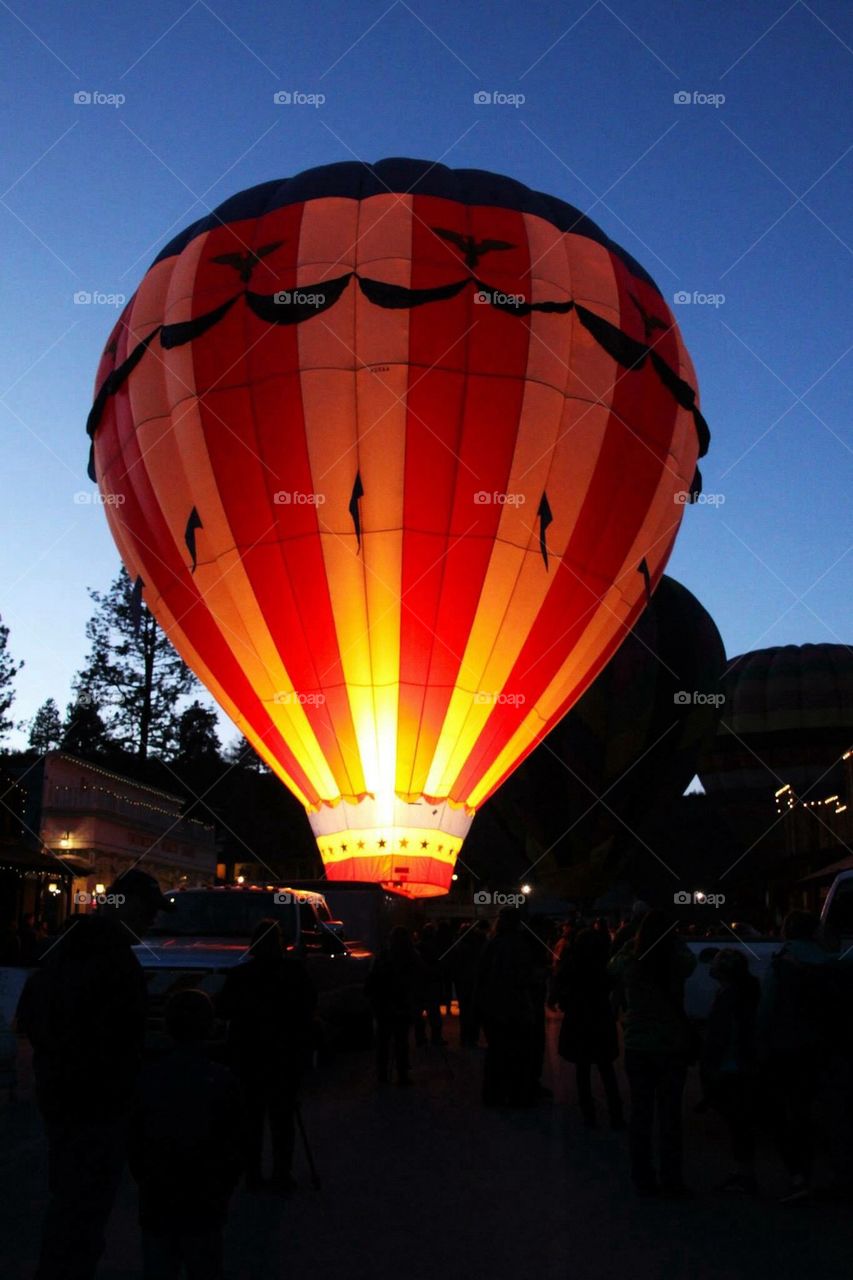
(632, 742)
(396, 455)
(787, 719)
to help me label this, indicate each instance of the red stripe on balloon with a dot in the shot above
(255, 432)
(146, 530)
(626, 476)
(460, 439)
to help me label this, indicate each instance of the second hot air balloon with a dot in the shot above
(402, 452)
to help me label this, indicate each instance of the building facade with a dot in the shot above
(98, 824)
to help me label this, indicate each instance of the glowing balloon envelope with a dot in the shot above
(397, 455)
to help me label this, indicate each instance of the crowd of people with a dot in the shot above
(764, 1056)
(191, 1127)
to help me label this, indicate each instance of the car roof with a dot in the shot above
(301, 895)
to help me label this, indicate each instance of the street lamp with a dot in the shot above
(526, 889)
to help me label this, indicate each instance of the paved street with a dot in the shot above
(424, 1183)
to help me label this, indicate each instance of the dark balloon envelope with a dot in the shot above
(787, 719)
(633, 741)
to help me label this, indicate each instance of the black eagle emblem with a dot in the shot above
(245, 263)
(650, 322)
(472, 250)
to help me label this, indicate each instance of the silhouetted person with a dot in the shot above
(627, 930)
(31, 941)
(445, 936)
(564, 940)
(430, 950)
(653, 968)
(728, 1061)
(187, 1137)
(393, 988)
(794, 1034)
(601, 926)
(465, 958)
(83, 1012)
(10, 944)
(269, 1003)
(588, 1033)
(505, 997)
(536, 935)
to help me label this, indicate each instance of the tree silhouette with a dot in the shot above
(132, 673)
(84, 732)
(46, 727)
(9, 668)
(197, 735)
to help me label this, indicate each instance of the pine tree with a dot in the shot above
(242, 754)
(9, 668)
(133, 674)
(197, 736)
(46, 728)
(84, 732)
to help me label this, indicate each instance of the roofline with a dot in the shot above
(109, 773)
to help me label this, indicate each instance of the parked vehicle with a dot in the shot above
(207, 932)
(368, 911)
(836, 929)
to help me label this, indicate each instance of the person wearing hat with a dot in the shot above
(83, 1012)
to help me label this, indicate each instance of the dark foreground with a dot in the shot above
(424, 1183)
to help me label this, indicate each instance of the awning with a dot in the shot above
(22, 859)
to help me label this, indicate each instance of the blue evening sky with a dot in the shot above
(748, 198)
